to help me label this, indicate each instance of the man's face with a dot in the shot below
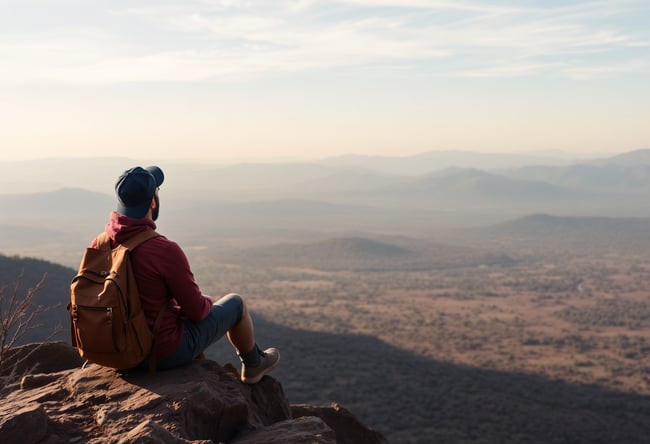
(156, 210)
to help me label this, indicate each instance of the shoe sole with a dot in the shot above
(257, 378)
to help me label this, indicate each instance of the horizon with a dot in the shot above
(567, 156)
(219, 80)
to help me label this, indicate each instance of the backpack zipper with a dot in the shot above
(108, 310)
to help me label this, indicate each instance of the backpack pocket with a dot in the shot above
(97, 329)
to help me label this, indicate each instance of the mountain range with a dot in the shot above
(67, 201)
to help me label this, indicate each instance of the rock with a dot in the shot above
(45, 357)
(348, 429)
(200, 403)
(25, 424)
(308, 429)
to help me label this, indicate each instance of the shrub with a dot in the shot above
(17, 317)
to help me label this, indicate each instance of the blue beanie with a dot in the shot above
(135, 188)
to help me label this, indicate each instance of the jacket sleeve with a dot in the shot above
(182, 286)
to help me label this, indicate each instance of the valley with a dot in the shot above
(454, 306)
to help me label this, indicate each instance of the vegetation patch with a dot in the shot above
(610, 313)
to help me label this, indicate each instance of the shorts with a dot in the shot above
(199, 335)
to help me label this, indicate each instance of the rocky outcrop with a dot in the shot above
(349, 429)
(200, 403)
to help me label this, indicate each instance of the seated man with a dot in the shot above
(191, 321)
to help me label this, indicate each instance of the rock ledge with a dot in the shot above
(201, 403)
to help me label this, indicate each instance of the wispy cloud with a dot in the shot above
(192, 41)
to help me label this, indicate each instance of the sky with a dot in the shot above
(305, 79)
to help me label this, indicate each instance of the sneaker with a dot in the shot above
(270, 358)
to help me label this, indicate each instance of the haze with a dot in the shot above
(230, 80)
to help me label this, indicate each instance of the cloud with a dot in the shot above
(588, 72)
(190, 41)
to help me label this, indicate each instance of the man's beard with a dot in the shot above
(156, 210)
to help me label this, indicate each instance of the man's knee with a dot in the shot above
(235, 298)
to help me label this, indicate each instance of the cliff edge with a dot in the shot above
(59, 401)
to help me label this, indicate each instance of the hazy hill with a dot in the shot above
(288, 214)
(357, 254)
(438, 160)
(27, 235)
(608, 178)
(339, 253)
(70, 202)
(54, 225)
(544, 225)
(410, 195)
(476, 187)
(570, 233)
(341, 181)
(92, 173)
(630, 158)
(18, 275)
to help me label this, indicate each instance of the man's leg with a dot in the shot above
(255, 362)
(197, 336)
(242, 334)
(228, 316)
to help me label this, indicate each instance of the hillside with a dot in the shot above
(362, 254)
(64, 204)
(630, 158)
(417, 400)
(606, 178)
(324, 197)
(581, 234)
(470, 187)
(19, 275)
(535, 350)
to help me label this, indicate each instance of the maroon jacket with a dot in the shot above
(162, 272)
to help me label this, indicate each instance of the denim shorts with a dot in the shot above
(198, 335)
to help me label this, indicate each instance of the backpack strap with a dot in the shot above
(103, 240)
(131, 244)
(134, 241)
(104, 243)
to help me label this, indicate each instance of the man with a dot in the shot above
(191, 321)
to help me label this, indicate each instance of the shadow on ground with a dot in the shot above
(412, 399)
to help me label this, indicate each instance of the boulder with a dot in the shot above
(348, 428)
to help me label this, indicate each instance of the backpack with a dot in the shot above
(108, 326)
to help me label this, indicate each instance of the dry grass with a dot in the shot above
(508, 319)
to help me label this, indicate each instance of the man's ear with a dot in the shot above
(152, 204)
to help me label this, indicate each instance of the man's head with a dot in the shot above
(135, 190)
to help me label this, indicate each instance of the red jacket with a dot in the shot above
(162, 272)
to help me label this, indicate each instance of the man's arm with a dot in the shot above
(182, 285)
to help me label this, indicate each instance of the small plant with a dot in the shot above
(17, 317)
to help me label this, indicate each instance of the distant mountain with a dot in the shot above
(340, 182)
(91, 173)
(363, 254)
(570, 233)
(601, 177)
(289, 214)
(431, 161)
(631, 158)
(471, 188)
(55, 225)
(73, 201)
(537, 225)
(30, 235)
(336, 253)
(377, 194)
